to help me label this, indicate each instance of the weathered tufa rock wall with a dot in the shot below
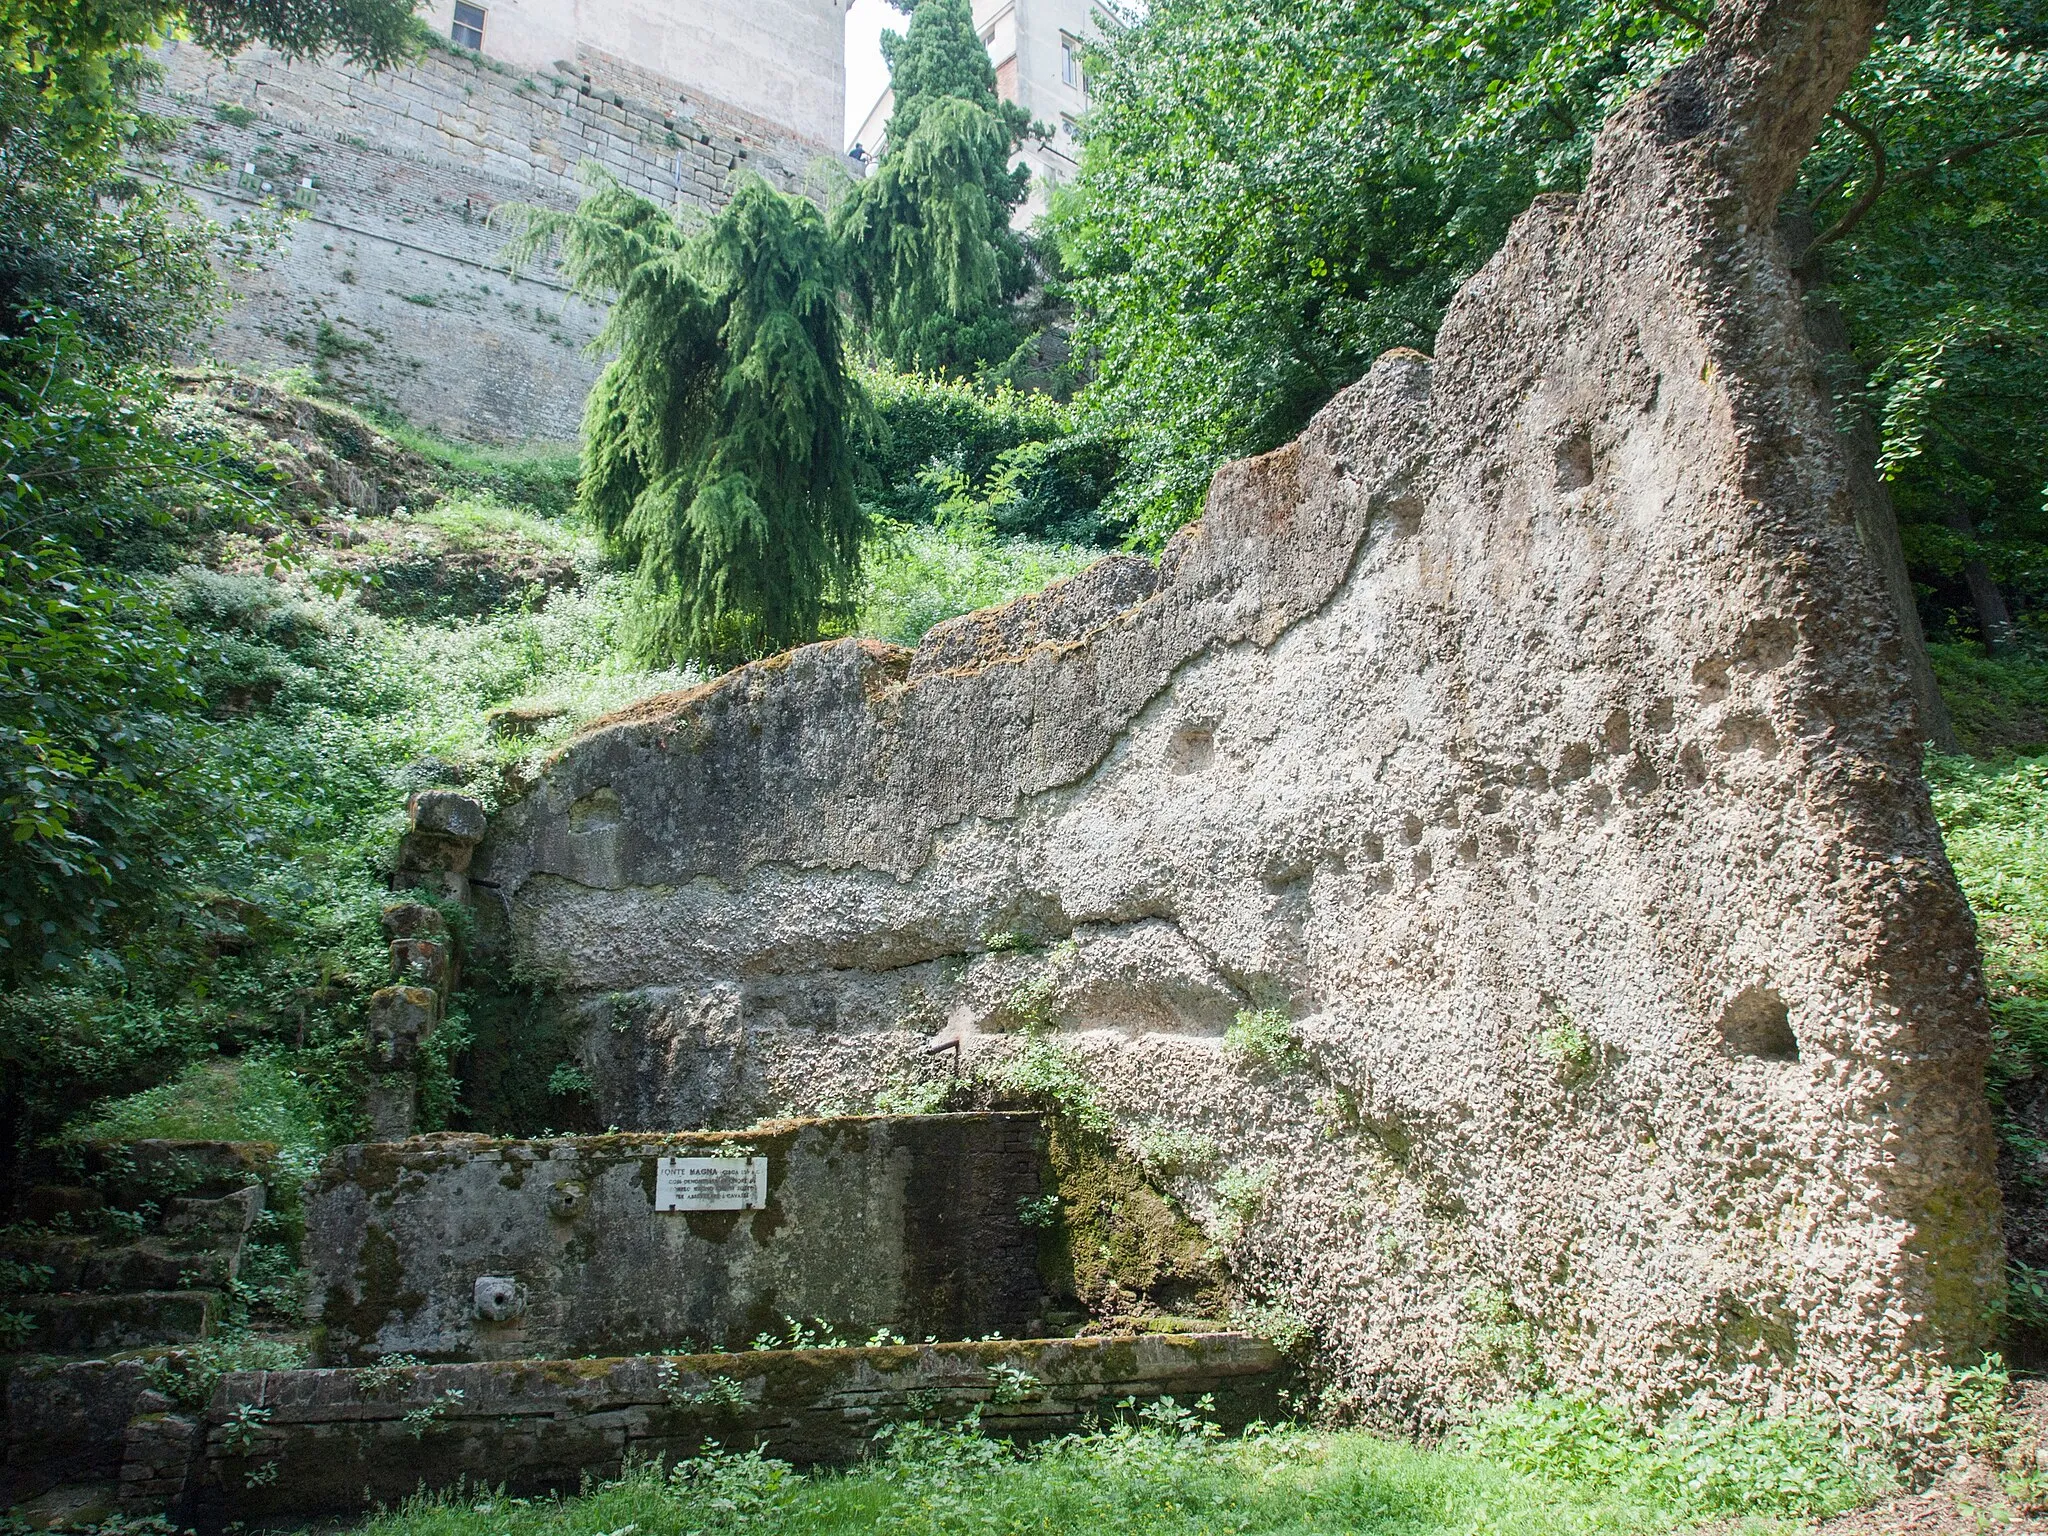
(1534, 731)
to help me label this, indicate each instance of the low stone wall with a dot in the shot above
(465, 1247)
(293, 1444)
(65, 1422)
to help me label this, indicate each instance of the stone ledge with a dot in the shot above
(343, 1440)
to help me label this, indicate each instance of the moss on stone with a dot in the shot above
(1120, 1247)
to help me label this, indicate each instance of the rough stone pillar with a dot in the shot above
(398, 1019)
(443, 831)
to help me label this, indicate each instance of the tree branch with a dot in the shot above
(1680, 13)
(1971, 151)
(1870, 194)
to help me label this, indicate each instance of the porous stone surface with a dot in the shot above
(464, 1247)
(1535, 733)
(342, 1441)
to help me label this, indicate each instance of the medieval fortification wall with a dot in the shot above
(390, 282)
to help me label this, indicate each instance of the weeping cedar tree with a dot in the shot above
(719, 447)
(932, 263)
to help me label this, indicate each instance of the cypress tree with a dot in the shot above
(932, 262)
(718, 444)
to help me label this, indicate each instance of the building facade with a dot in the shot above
(390, 282)
(1036, 47)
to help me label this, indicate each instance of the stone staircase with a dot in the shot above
(147, 1267)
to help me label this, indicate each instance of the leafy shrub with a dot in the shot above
(923, 420)
(189, 1374)
(1720, 1461)
(914, 577)
(732, 1490)
(1242, 1191)
(1279, 1325)
(1010, 1383)
(1046, 1072)
(1998, 705)
(1167, 1150)
(1570, 1050)
(1039, 1210)
(915, 1096)
(1994, 819)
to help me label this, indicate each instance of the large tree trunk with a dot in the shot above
(1876, 520)
(1994, 619)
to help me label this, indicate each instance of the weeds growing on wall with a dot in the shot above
(1265, 1039)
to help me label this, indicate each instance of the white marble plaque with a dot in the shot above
(710, 1183)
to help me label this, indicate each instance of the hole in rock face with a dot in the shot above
(1575, 461)
(1756, 1023)
(597, 811)
(1192, 749)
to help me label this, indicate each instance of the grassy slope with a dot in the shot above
(367, 667)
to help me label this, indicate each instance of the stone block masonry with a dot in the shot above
(334, 1442)
(463, 1247)
(391, 283)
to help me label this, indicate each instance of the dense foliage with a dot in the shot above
(1272, 193)
(932, 262)
(720, 443)
(1043, 475)
(1930, 191)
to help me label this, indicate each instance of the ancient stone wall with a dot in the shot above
(336, 1442)
(1533, 736)
(461, 1247)
(392, 283)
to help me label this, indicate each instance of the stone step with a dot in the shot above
(199, 1246)
(76, 1323)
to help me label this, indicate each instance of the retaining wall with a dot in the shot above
(464, 1247)
(333, 1442)
(391, 284)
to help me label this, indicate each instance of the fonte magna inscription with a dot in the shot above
(710, 1183)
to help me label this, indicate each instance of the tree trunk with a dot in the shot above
(1994, 619)
(1876, 521)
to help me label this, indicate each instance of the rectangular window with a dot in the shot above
(468, 31)
(988, 38)
(1070, 61)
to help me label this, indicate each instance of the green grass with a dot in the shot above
(1994, 819)
(482, 521)
(1997, 707)
(1165, 1473)
(247, 1100)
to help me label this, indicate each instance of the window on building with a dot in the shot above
(988, 38)
(468, 31)
(1070, 61)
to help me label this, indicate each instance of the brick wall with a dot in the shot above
(391, 283)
